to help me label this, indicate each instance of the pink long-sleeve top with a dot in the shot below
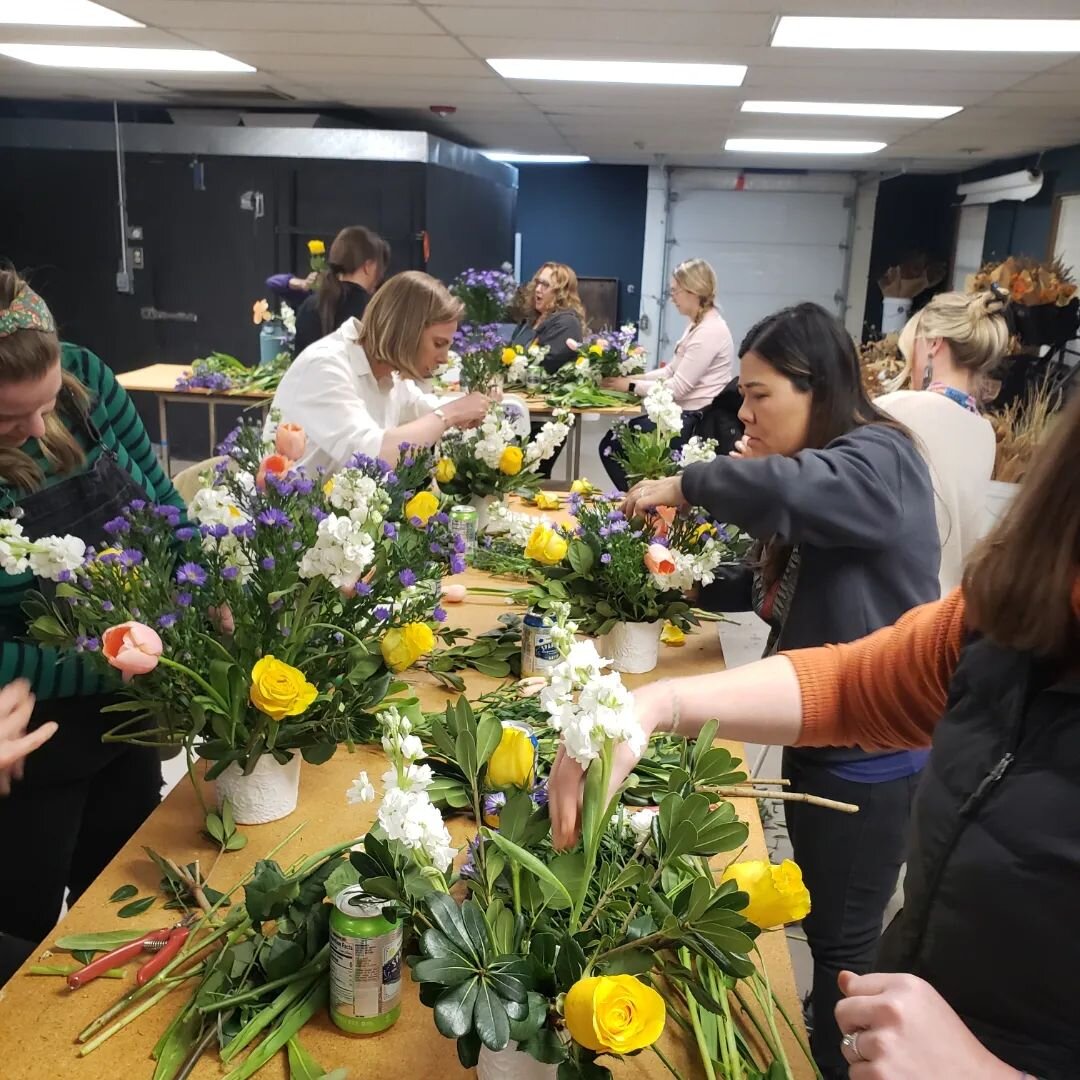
(701, 367)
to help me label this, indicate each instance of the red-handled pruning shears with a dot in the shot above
(164, 943)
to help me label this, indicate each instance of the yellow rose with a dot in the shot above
(546, 500)
(546, 546)
(422, 505)
(511, 461)
(316, 247)
(596, 349)
(328, 487)
(512, 763)
(279, 690)
(445, 470)
(509, 356)
(614, 1014)
(703, 531)
(777, 893)
(672, 635)
(403, 646)
(582, 487)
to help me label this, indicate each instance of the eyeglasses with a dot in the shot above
(542, 285)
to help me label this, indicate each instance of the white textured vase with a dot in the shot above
(511, 1064)
(267, 794)
(633, 647)
(895, 312)
(482, 504)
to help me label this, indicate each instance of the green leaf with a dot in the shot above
(215, 828)
(177, 1044)
(477, 928)
(490, 1019)
(125, 892)
(545, 1046)
(508, 977)
(228, 820)
(629, 962)
(281, 957)
(514, 816)
(236, 842)
(488, 736)
(105, 941)
(531, 863)
(570, 963)
(137, 907)
(302, 1066)
(569, 868)
(344, 875)
(535, 1015)
(724, 937)
(269, 892)
(581, 556)
(465, 752)
(454, 1010)
(468, 1050)
(632, 874)
(447, 917)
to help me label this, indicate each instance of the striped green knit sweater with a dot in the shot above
(56, 673)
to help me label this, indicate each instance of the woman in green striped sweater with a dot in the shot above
(73, 453)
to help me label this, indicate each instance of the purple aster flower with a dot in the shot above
(339, 637)
(605, 531)
(130, 557)
(167, 620)
(183, 599)
(441, 518)
(468, 867)
(185, 534)
(382, 613)
(218, 532)
(275, 518)
(539, 794)
(303, 485)
(415, 522)
(619, 526)
(363, 588)
(65, 576)
(87, 644)
(268, 563)
(230, 573)
(407, 577)
(137, 504)
(439, 614)
(391, 478)
(318, 514)
(493, 803)
(277, 605)
(117, 526)
(574, 504)
(86, 584)
(245, 530)
(191, 574)
(389, 530)
(457, 564)
(436, 549)
(296, 545)
(460, 544)
(107, 605)
(605, 558)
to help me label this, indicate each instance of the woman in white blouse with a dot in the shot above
(701, 367)
(361, 389)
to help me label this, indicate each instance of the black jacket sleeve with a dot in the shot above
(851, 494)
(308, 325)
(553, 332)
(732, 589)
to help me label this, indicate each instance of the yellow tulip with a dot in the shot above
(422, 506)
(279, 690)
(777, 893)
(702, 531)
(546, 546)
(402, 646)
(545, 500)
(509, 356)
(614, 1014)
(316, 247)
(445, 470)
(672, 635)
(513, 762)
(511, 461)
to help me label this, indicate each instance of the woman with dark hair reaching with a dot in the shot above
(841, 508)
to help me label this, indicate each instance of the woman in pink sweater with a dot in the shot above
(700, 368)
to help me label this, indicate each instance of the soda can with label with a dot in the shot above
(465, 522)
(538, 651)
(365, 963)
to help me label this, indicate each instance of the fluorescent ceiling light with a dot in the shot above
(61, 13)
(644, 73)
(851, 108)
(804, 146)
(115, 58)
(929, 35)
(514, 158)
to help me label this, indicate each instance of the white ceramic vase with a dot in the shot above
(895, 312)
(511, 1064)
(268, 793)
(632, 647)
(482, 504)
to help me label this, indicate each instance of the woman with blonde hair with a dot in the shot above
(948, 347)
(556, 317)
(73, 454)
(362, 389)
(700, 368)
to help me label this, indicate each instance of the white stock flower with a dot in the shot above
(52, 556)
(661, 409)
(360, 790)
(12, 547)
(411, 748)
(288, 317)
(412, 778)
(549, 438)
(214, 506)
(410, 818)
(359, 496)
(341, 553)
(696, 450)
(641, 821)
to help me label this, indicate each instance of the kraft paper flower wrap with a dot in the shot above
(274, 617)
(582, 956)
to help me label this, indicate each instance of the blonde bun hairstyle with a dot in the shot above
(698, 277)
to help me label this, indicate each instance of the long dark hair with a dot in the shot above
(352, 247)
(807, 345)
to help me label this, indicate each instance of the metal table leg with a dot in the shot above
(163, 424)
(213, 428)
(575, 449)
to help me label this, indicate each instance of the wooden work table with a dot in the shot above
(39, 1017)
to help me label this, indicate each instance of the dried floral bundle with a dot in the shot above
(883, 368)
(911, 277)
(1030, 282)
(1021, 429)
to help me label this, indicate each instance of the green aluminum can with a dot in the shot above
(365, 964)
(465, 522)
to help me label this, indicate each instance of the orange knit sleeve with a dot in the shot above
(886, 691)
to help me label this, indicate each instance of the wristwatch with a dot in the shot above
(632, 387)
(442, 416)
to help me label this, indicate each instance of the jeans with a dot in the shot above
(610, 443)
(850, 863)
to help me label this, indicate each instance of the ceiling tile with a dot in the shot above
(321, 43)
(233, 15)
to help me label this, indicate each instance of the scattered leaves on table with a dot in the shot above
(221, 828)
(125, 892)
(137, 907)
(496, 653)
(105, 941)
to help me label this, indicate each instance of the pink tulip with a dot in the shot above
(665, 518)
(658, 560)
(278, 464)
(132, 648)
(454, 594)
(290, 441)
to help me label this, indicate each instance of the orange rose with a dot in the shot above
(278, 464)
(658, 560)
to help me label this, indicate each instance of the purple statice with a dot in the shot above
(605, 558)
(202, 378)
(191, 574)
(407, 577)
(183, 599)
(164, 510)
(137, 505)
(389, 530)
(363, 588)
(229, 443)
(303, 485)
(661, 541)
(107, 606)
(117, 526)
(185, 534)
(274, 518)
(441, 518)
(493, 804)
(268, 562)
(575, 503)
(167, 620)
(382, 613)
(230, 573)
(87, 644)
(439, 614)
(457, 564)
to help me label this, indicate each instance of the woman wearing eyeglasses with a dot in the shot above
(556, 315)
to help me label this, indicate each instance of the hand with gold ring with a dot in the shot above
(649, 494)
(898, 1027)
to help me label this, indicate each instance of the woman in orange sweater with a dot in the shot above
(973, 987)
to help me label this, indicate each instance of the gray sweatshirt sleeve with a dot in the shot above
(851, 494)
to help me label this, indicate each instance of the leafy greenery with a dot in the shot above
(495, 653)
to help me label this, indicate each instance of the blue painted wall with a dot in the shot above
(591, 217)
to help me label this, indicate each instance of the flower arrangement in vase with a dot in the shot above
(568, 960)
(486, 294)
(646, 453)
(270, 624)
(522, 366)
(577, 384)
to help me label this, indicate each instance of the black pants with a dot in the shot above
(14, 952)
(78, 804)
(851, 863)
(610, 443)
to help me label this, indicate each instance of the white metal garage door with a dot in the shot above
(773, 240)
